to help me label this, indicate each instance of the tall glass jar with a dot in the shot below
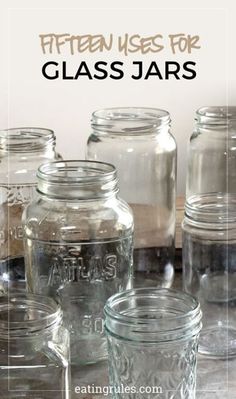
(22, 150)
(211, 155)
(78, 243)
(152, 343)
(209, 268)
(139, 143)
(34, 349)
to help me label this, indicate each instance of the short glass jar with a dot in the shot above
(209, 270)
(211, 154)
(22, 151)
(78, 247)
(139, 143)
(34, 348)
(152, 343)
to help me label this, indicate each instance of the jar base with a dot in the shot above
(218, 342)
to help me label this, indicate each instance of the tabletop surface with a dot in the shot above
(216, 379)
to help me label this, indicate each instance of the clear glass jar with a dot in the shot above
(22, 150)
(34, 349)
(211, 155)
(209, 270)
(79, 244)
(138, 142)
(152, 343)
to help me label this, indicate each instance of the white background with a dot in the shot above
(28, 99)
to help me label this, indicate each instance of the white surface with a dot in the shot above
(65, 106)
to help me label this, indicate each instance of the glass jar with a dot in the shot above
(34, 348)
(78, 244)
(209, 269)
(152, 343)
(138, 142)
(211, 155)
(22, 150)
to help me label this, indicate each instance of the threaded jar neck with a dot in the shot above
(130, 121)
(77, 180)
(27, 140)
(216, 117)
(216, 209)
(26, 315)
(153, 315)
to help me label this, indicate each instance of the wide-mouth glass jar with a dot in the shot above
(152, 343)
(79, 246)
(211, 154)
(139, 143)
(22, 150)
(209, 273)
(34, 348)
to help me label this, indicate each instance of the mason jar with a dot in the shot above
(22, 150)
(78, 244)
(152, 343)
(209, 269)
(211, 154)
(139, 143)
(34, 348)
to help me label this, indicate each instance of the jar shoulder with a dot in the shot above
(68, 219)
(165, 140)
(207, 231)
(13, 160)
(17, 169)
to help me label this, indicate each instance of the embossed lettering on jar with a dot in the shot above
(78, 242)
(22, 151)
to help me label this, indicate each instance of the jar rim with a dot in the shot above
(26, 139)
(77, 179)
(81, 171)
(217, 208)
(129, 120)
(216, 115)
(35, 313)
(163, 324)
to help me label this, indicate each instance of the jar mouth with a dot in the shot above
(218, 115)
(151, 314)
(26, 139)
(218, 208)
(26, 314)
(129, 120)
(77, 179)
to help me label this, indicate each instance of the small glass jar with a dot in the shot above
(211, 155)
(152, 343)
(209, 268)
(79, 244)
(139, 143)
(22, 150)
(34, 348)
